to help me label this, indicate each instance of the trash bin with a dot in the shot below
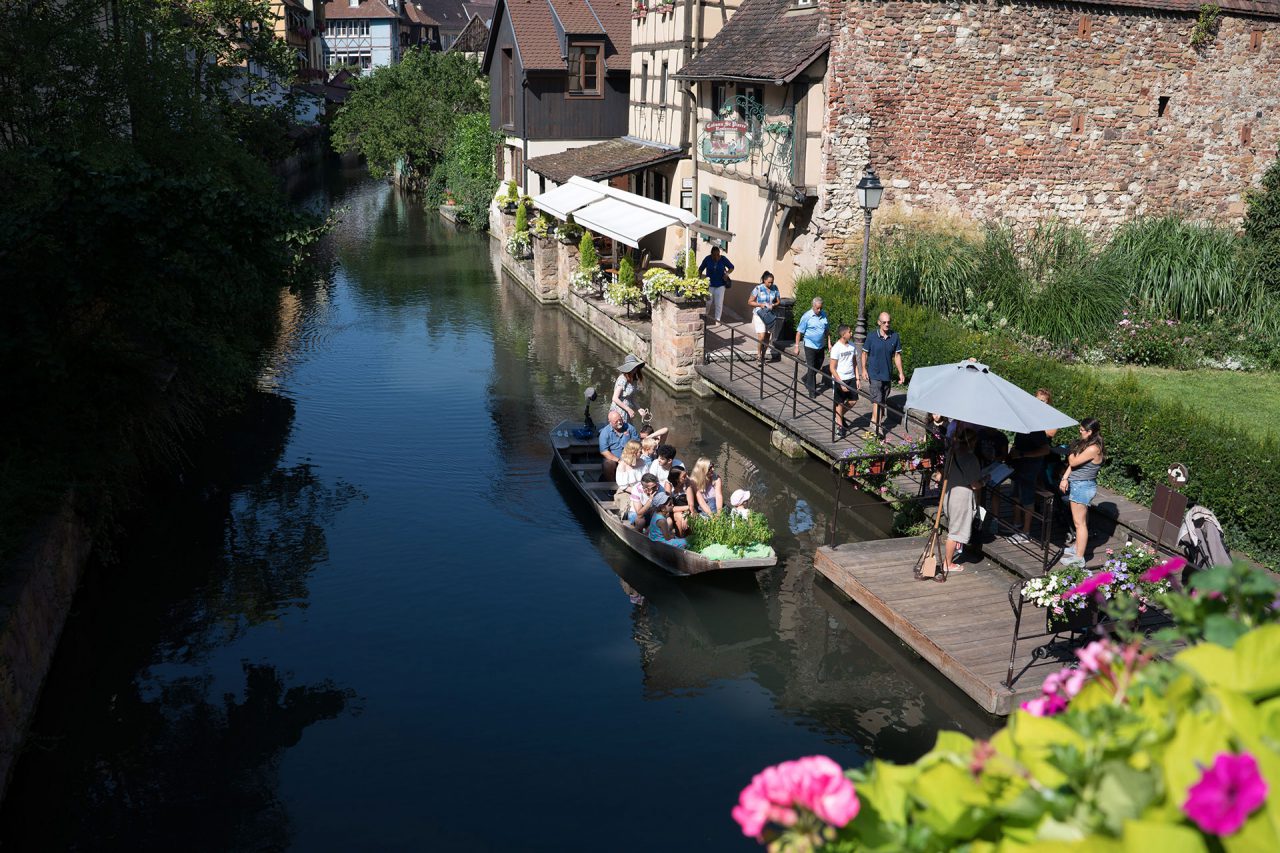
(787, 308)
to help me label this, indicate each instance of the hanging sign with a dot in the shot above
(726, 141)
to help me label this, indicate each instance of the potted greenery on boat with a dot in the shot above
(728, 536)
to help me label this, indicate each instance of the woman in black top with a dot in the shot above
(678, 489)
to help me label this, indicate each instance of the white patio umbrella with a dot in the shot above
(970, 392)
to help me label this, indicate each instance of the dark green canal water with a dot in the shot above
(370, 617)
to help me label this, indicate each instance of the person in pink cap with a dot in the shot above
(739, 502)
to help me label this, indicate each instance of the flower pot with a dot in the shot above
(1072, 620)
(877, 468)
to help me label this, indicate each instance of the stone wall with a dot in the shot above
(677, 340)
(546, 269)
(1024, 111)
(35, 599)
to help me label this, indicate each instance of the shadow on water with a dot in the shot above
(135, 728)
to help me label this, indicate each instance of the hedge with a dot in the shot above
(1232, 473)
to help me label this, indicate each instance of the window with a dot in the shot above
(348, 29)
(584, 69)
(1161, 105)
(654, 186)
(714, 212)
(719, 95)
(509, 84)
(644, 82)
(361, 59)
(1255, 40)
(803, 4)
(662, 93)
(1086, 27)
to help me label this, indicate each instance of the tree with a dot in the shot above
(409, 113)
(1262, 231)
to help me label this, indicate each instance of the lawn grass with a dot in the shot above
(1249, 400)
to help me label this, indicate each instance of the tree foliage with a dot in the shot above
(145, 240)
(1262, 231)
(410, 112)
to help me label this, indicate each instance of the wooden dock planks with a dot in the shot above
(962, 627)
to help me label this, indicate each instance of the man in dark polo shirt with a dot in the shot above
(881, 352)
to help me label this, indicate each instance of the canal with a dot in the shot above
(370, 617)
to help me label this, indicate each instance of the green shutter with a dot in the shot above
(706, 209)
(724, 215)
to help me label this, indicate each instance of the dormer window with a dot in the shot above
(584, 69)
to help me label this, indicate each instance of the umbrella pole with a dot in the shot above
(923, 569)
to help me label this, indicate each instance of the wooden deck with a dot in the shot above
(1112, 515)
(962, 627)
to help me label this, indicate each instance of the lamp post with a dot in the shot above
(869, 193)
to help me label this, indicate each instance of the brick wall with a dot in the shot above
(1018, 112)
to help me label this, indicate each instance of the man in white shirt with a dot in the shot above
(845, 359)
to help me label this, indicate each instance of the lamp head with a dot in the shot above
(870, 190)
(590, 394)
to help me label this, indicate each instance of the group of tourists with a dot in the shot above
(1030, 465)
(656, 493)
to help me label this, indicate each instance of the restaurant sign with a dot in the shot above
(726, 140)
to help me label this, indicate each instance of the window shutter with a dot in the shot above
(706, 209)
(724, 215)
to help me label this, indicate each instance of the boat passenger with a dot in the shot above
(663, 461)
(679, 491)
(661, 526)
(739, 500)
(648, 450)
(613, 438)
(643, 494)
(628, 474)
(630, 379)
(647, 431)
(706, 487)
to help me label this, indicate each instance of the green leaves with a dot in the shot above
(1251, 667)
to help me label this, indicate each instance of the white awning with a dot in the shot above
(566, 199)
(626, 223)
(611, 212)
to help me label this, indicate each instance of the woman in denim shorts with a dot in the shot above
(1080, 483)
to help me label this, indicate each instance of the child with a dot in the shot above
(739, 500)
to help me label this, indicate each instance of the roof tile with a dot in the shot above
(340, 10)
(602, 160)
(761, 42)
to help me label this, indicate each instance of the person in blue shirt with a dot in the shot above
(811, 343)
(613, 439)
(765, 298)
(882, 351)
(661, 525)
(717, 268)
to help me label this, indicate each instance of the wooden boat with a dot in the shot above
(579, 459)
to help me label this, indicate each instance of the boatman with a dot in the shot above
(613, 438)
(717, 269)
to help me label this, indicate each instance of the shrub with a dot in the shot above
(468, 169)
(1262, 232)
(1181, 270)
(522, 218)
(588, 260)
(1233, 473)
(569, 230)
(930, 268)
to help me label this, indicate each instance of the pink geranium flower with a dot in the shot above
(1162, 571)
(1065, 682)
(1089, 585)
(1227, 793)
(1095, 656)
(815, 783)
(1045, 706)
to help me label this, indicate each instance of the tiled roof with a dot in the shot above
(602, 160)
(538, 37)
(484, 11)
(577, 18)
(416, 15)
(1261, 8)
(449, 14)
(473, 37)
(340, 10)
(761, 42)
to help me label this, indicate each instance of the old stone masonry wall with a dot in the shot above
(1023, 111)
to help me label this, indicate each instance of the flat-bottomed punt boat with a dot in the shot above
(578, 457)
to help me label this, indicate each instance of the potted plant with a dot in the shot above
(666, 8)
(510, 200)
(569, 231)
(639, 9)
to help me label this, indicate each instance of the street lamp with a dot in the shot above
(869, 193)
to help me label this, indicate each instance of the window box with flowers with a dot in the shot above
(666, 8)
(639, 10)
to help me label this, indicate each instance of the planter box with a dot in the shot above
(1072, 620)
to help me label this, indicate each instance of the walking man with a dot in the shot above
(882, 350)
(764, 318)
(811, 343)
(717, 268)
(845, 376)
